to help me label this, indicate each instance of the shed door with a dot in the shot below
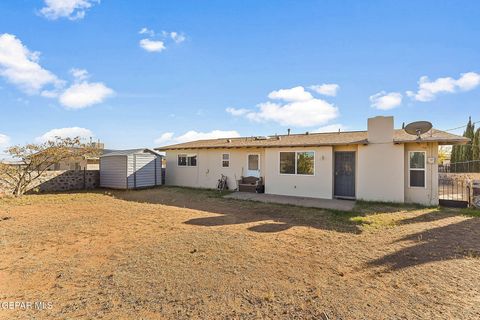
(144, 170)
(344, 174)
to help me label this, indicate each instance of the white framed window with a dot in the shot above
(417, 164)
(187, 160)
(253, 163)
(297, 163)
(226, 160)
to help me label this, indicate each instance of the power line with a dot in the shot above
(461, 126)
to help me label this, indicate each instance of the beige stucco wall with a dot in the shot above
(209, 167)
(429, 194)
(381, 172)
(318, 185)
(380, 129)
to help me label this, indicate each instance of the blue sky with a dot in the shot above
(91, 69)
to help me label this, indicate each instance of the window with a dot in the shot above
(182, 160)
(287, 162)
(416, 165)
(186, 160)
(305, 163)
(192, 161)
(226, 160)
(301, 163)
(253, 162)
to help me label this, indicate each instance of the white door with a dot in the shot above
(253, 165)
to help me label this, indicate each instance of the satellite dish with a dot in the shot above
(418, 127)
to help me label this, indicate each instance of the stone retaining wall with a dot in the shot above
(64, 180)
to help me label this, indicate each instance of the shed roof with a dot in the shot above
(129, 152)
(314, 139)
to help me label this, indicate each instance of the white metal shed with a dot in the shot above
(130, 169)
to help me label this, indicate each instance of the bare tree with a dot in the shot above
(32, 160)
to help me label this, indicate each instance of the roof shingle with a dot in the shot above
(314, 139)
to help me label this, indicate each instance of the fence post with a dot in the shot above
(84, 178)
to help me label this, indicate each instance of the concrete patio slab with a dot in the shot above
(333, 204)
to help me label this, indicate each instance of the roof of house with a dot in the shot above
(128, 152)
(12, 162)
(314, 139)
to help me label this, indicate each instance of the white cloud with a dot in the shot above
(72, 132)
(4, 140)
(332, 128)
(177, 37)
(71, 9)
(386, 101)
(144, 30)
(84, 94)
(428, 90)
(468, 81)
(293, 94)
(301, 109)
(152, 45)
(301, 114)
(192, 135)
(79, 74)
(20, 66)
(81, 93)
(50, 93)
(164, 138)
(237, 112)
(326, 89)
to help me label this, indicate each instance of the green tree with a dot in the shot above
(454, 158)
(476, 150)
(467, 152)
(463, 153)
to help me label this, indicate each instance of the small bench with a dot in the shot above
(251, 184)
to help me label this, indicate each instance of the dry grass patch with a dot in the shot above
(180, 253)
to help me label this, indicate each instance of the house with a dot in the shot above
(131, 169)
(85, 162)
(79, 163)
(380, 164)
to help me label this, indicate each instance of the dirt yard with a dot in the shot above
(172, 253)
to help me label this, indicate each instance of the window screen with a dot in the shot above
(417, 178)
(417, 168)
(287, 162)
(302, 163)
(192, 161)
(305, 163)
(182, 159)
(417, 160)
(253, 162)
(225, 160)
